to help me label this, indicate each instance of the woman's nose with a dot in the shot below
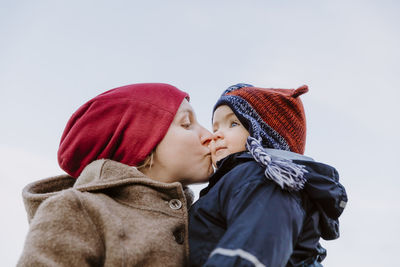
(206, 136)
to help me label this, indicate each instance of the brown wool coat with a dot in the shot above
(112, 215)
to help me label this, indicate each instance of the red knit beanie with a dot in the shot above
(123, 124)
(275, 116)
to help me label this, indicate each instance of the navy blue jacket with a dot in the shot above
(244, 219)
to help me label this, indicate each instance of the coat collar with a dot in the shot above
(228, 163)
(103, 175)
(224, 166)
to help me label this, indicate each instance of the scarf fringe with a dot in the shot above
(284, 172)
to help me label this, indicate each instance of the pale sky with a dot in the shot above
(56, 55)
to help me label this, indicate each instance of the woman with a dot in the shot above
(114, 214)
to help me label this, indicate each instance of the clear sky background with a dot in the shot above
(55, 55)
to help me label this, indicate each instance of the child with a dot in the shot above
(266, 204)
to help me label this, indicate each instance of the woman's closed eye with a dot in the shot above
(186, 125)
(186, 122)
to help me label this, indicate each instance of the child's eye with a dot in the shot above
(234, 123)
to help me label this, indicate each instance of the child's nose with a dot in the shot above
(217, 135)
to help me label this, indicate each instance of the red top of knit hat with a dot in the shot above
(282, 110)
(123, 124)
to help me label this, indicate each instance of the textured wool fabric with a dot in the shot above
(123, 124)
(112, 216)
(276, 116)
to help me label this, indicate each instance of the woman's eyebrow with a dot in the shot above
(186, 110)
(183, 113)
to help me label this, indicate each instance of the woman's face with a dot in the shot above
(183, 155)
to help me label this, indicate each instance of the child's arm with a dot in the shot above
(263, 223)
(62, 234)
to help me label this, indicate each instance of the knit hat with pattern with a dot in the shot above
(274, 119)
(123, 124)
(274, 115)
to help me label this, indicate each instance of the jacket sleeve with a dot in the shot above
(62, 234)
(263, 223)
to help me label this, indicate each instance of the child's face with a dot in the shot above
(229, 134)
